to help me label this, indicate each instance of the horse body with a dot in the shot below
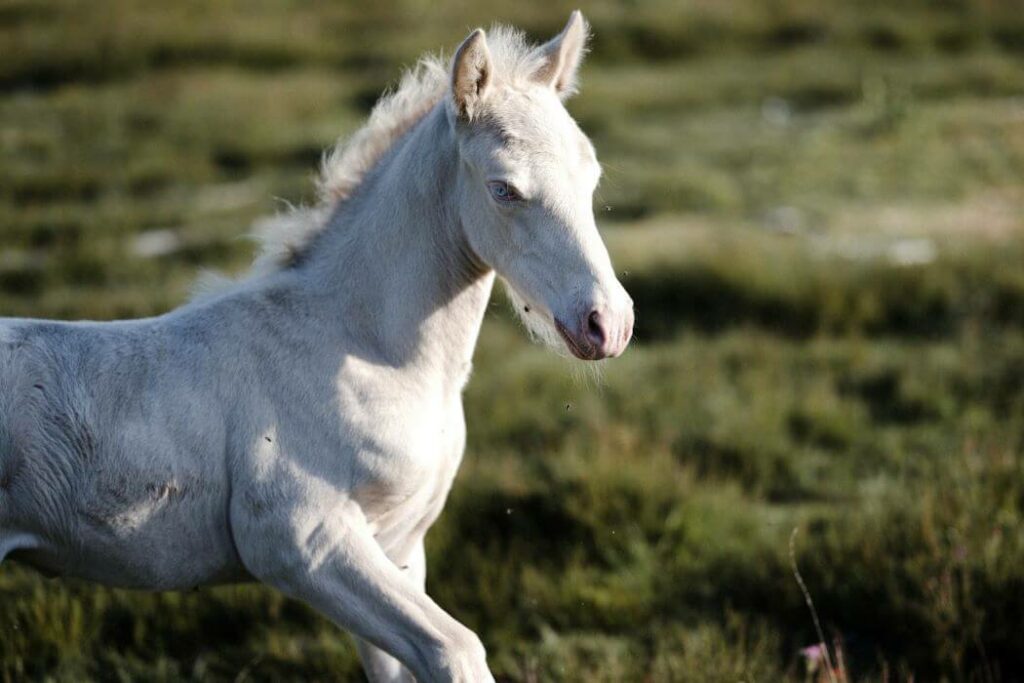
(303, 427)
(135, 450)
(102, 453)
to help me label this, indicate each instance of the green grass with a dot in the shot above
(818, 208)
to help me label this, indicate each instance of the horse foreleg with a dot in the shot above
(336, 566)
(381, 667)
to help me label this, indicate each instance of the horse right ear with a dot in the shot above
(562, 56)
(472, 70)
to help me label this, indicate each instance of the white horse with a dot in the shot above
(302, 426)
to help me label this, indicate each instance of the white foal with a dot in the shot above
(302, 426)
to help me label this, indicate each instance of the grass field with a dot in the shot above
(819, 210)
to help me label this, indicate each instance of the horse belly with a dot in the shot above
(156, 509)
(161, 544)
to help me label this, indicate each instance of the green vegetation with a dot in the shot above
(818, 207)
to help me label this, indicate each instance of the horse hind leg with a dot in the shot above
(11, 538)
(11, 541)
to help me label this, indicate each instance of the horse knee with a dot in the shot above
(461, 659)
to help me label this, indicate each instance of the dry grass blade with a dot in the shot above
(810, 605)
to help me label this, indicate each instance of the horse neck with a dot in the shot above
(393, 266)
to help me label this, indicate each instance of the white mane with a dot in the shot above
(284, 237)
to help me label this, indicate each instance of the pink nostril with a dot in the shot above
(595, 329)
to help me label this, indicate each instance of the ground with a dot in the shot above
(818, 209)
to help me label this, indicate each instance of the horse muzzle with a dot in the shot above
(600, 332)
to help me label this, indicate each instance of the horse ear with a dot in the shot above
(563, 55)
(472, 70)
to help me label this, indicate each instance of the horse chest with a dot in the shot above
(404, 468)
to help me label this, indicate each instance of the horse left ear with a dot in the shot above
(563, 55)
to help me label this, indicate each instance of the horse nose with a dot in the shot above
(595, 330)
(607, 332)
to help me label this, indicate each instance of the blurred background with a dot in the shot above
(818, 208)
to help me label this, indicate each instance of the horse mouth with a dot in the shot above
(579, 350)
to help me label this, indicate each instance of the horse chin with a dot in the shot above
(545, 331)
(581, 350)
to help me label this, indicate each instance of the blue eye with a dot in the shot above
(503, 192)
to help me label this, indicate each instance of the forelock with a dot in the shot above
(516, 60)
